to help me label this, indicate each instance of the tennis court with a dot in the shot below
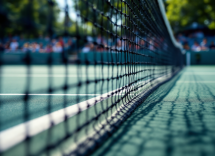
(100, 77)
(20, 116)
(176, 119)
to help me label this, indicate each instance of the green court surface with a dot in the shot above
(14, 83)
(44, 108)
(177, 119)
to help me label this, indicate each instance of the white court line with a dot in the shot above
(199, 73)
(14, 94)
(195, 82)
(58, 94)
(14, 135)
(53, 75)
(47, 75)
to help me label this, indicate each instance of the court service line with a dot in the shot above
(196, 82)
(54, 75)
(46, 75)
(57, 75)
(14, 94)
(199, 73)
(58, 94)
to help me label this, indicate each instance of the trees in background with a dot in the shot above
(182, 13)
(100, 12)
(32, 18)
(29, 18)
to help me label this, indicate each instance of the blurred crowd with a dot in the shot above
(98, 43)
(197, 41)
(41, 45)
(135, 43)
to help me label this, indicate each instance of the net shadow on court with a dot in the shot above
(178, 121)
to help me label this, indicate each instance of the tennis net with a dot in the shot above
(99, 64)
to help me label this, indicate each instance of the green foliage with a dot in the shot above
(110, 15)
(26, 17)
(100, 12)
(182, 13)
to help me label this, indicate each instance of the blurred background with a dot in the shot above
(193, 22)
(28, 25)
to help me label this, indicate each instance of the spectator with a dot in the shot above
(57, 48)
(101, 41)
(212, 46)
(119, 45)
(42, 50)
(89, 39)
(186, 46)
(196, 47)
(14, 45)
(25, 47)
(151, 44)
(142, 44)
(88, 47)
(7, 45)
(48, 48)
(61, 41)
(204, 45)
(35, 47)
(53, 42)
(182, 39)
(68, 45)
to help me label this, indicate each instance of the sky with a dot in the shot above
(61, 4)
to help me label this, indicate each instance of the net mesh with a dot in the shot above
(119, 52)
